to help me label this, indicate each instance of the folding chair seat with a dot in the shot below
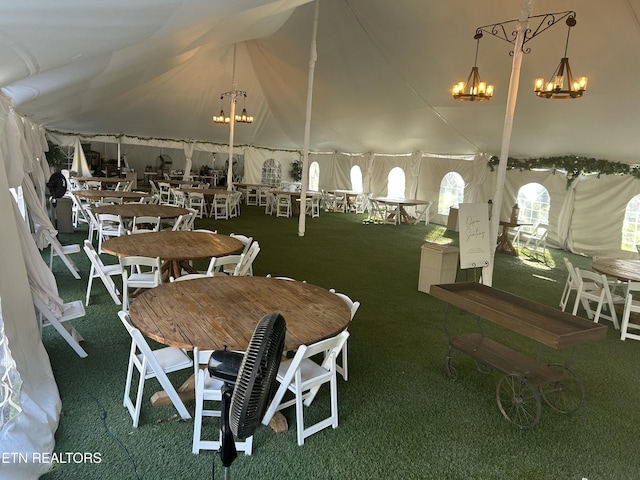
(342, 368)
(151, 364)
(209, 389)
(103, 272)
(594, 287)
(631, 313)
(69, 311)
(302, 376)
(144, 272)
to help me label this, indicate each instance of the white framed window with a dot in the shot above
(356, 179)
(271, 172)
(534, 203)
(451, 192)
(314, 176)
(396, 183)
(631, 225)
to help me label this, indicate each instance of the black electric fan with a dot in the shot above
(249, 383)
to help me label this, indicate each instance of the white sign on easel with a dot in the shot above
(475, 249)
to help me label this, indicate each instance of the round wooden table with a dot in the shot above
(222, 312)
(175, 249)
(625, 270)
(130, 210)
(218, 312)
(97, 195)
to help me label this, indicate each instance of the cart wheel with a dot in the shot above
(518, 401)
(564, 396)
(449, 371)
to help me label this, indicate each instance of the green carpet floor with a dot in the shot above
(399, 417)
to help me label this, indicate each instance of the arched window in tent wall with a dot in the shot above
(451, 192)
(356, 179)
(314, 176)
(631, 225)
(534, 202)
(396, 183)
(271, 172)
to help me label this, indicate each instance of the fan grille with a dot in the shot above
(255, 385)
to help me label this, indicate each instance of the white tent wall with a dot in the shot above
(32, 431)
(599, 212)
(254, 158)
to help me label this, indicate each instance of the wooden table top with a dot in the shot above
(173, 246)
(130, 210)
(98, 194)
(219, 312)
(100, 179)
(402, 201)
(206, 191)
(625, 270)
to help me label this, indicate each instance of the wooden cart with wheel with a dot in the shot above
(524, 380)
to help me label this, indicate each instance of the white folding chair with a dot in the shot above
(209, 389)
(283, 205)
(144, 273)
(109, 226)
(535, 241)
(145, 224)
(243, 263)
(220, 206)
(58, 250)
(103, 272)
(197, 201)
(246, 241)
(165, 193)
(594, 287)
(631, 307)
(70, 311)
(342, 368)
(303, 377)
(151, 364)
(270, 204)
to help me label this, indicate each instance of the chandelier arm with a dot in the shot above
(547, 20)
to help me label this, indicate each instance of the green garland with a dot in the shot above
(572, 164)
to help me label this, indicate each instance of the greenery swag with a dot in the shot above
(572, 164)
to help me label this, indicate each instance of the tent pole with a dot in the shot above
(525, 12)
(232, 123)
(313, 56)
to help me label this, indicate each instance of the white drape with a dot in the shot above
(188, 153)
(80, 164)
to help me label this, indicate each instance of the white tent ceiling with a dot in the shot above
(156, 68)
